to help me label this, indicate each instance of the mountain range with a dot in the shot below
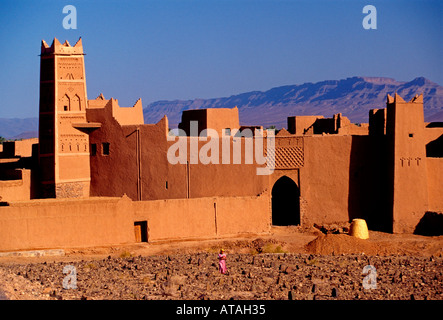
(353, 97)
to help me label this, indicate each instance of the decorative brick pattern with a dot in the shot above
(289, 157)
(69, 190)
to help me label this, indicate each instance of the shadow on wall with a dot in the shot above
(368, 177)
(431, 224)
(434, 149)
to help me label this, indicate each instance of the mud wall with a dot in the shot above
(203, 217)
(50, 223)
(41, 224)
(344, 177)
(16, 186)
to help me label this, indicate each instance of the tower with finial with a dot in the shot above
(63, 144)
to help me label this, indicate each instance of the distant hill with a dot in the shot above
(353, 97)
(16, 128)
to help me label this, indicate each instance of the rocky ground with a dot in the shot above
(317, 266)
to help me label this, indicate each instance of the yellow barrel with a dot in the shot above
(359, 229)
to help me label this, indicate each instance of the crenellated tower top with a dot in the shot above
(59, 48)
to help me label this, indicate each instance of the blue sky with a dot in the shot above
(187, 49)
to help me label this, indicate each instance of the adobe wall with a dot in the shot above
(20, 148)
(16, 186)
(435, 184)
(137, 165)
(344, 177)
(298, 125)
(217, 119)
(128, 116)
(49, 223)
(222, 118)
(63, 223)
(203, 217)
(324, 179)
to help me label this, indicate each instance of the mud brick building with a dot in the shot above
(98, 175)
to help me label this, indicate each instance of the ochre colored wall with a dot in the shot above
(203, 217)
(324, 178)
(299, 124)
(21, 148)
(216, 119)
(49, 223)
(40, 224)
(344, 177)
(16, 190)
(176, 219)
(243, 215)
(138, 161)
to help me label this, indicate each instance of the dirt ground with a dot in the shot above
(288, 263)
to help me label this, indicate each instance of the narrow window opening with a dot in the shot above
(105, 146)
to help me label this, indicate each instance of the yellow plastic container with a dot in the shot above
(359, 229)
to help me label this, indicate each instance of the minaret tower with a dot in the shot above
(63, 146)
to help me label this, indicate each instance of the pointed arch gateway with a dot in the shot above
(285, 202)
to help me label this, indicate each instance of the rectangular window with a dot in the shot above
(411, 135)
(105, 148)
(93, 149)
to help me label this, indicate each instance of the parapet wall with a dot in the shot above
(204, 217)
(51, 223)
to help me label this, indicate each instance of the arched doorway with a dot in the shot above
(285, 202)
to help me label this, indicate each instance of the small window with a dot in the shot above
(93, 149)
(411, 135)
(105, 146)
(166, 185)
(65, 108)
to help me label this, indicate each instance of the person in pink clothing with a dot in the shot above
(222, 262)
